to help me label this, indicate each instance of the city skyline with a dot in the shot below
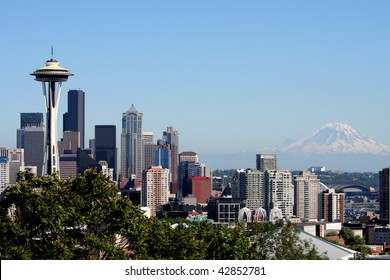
(214, 71)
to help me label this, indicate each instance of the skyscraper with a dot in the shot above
(162, 154)
(74, 119)
(70, 141)
(188, 156)
(4, 174)
(331, 206)
(252, 188)
(131, 144)
(279, 192)
(171, 137)
(16, 161)
(188, 167)
(306, 190)
(148, 150)
(266, 162)
(105, 146)
(31, 119)
(384, 195)
(155, 188)
(31, 138)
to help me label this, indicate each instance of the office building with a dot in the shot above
(188, 157)
(279, 193)
(74, 118)
(85, 160)
(384, 195)
(70, 142)
(31, 138)
(236, 191)
(34, 147)
(31, 119)
(155, 188)
(224, 210)
(198, 187)
(266, 162)
(109, 172)
(171, 137)
(4, 174)
(147, 136)
(3, 152)
(68, 165)
(148, 150)
(131, 144)
(306, 190)
(91, 146)
(205, 170)
(28, 120)
(16, 161)
(105, 146)
(162, 154)
(331, 206)
(187, 169)
(252, 188)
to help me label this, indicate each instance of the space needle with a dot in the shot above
(51, 76)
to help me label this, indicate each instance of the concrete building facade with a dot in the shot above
(155, 188)
(306, 190)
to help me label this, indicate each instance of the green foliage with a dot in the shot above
(84, 218)
(332, 233)
(65, 219)
(355, 243)
(281, 241)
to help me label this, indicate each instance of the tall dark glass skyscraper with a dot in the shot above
(131, 144)
(74, 119)
(384, 195)
(105, 146)
(31, 119)
(171, 137)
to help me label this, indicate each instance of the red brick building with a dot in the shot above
(199, 187)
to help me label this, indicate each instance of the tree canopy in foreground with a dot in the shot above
(85, 218)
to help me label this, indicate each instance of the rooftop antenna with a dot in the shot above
(51, 52)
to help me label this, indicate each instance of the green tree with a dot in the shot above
(82, 218)
(281, 241)
(355, 242)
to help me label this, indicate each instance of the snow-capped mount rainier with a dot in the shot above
(336, 138)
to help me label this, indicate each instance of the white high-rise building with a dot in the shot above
(4, 173)
(155, 188)
(279, 192)
(252, 188)
(306, 190)
(205, 171)
(16, 161)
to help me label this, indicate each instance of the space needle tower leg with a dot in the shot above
(52, 98)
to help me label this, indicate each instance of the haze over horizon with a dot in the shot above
(228, 76)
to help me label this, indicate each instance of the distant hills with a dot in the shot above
(337, 146)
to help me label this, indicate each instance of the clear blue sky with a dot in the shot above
(228, 75)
